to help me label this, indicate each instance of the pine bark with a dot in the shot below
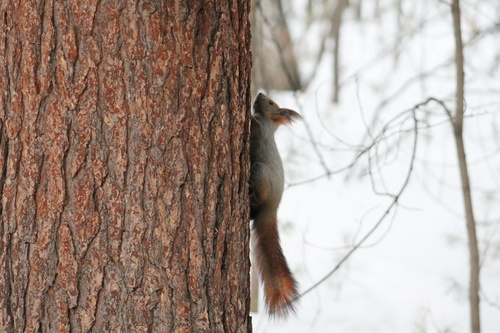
(124, 161)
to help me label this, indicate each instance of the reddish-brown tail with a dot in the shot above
(280, 288)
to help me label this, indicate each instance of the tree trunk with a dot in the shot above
(457, 121)
(336, 26)
(274, 63)
(123, 157)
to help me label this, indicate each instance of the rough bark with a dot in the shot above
(457, 121)
(124, 165)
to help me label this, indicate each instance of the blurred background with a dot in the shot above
(374, 198)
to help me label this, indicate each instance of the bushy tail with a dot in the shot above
(280, 288)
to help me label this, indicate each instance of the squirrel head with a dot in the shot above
(267, 108)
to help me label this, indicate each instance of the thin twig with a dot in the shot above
(380, 220)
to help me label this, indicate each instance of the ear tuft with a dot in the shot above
(288, 116)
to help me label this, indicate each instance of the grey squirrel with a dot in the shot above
(266, 188)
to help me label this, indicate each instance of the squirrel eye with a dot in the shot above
(271, 103)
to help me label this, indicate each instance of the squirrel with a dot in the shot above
(266, 189)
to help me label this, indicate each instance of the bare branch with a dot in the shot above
(382, 217)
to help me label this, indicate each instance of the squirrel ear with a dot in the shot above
(289, 115)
